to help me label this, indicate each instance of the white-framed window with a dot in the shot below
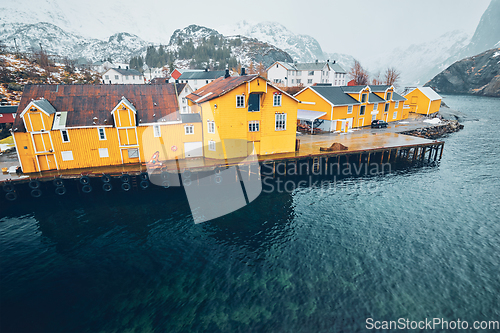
(116, 77)
(126, 77)
(310, 73)
(299, 81)
(396, 105)
(157, 131)
(280, 122)
(309, 80)
(211, 126)
(67, 155)
(387, 107)
(106, 77)
(395, 115)
(349, 109)
(362, 110)
(364, 97)
(133, 153)
(375, 107)
(299, 73)
(389, 95)
(240, 101)
(103, 152)
(277, 100)
(64, 136)
(102, 133)
(133, 77)
(188, 129)
(293, 81)
(211, 145)
(253, 126)
(184, 109)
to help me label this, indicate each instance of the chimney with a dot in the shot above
(328, 60)
(206, 69)
(334, 61)
(227, 73)
(316, 60)
(243, 71)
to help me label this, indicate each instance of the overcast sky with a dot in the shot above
(351, 26)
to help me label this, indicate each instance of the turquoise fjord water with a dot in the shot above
(414, 244)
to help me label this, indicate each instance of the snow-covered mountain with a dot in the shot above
(56, 41)
(419, 62)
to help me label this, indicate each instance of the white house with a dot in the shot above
(122, 76)
(102, 66)
(306, 74)
(156, 72)
(183, 89)
(197, 78)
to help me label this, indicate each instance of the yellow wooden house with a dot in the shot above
(80, 126)
(422, 100)
(351, 106)
(245, 115)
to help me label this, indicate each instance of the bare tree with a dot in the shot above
(359, 74)
(377, 80)
(392, 76)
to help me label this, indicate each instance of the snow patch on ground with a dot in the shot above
(433, 121)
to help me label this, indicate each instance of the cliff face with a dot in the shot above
(478, 75)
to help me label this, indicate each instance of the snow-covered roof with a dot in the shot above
(430, 93)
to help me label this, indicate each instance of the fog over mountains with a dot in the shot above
(58, 27)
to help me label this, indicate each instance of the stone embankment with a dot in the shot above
(436, 131)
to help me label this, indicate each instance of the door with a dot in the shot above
(46, 162)
(361, 122)
(42, 142)
(193, 149)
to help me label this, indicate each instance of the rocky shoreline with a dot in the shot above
(436, 131)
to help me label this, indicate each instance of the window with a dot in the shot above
(292, 81)
(189, 129)
(157, 131)
(396, 105)
(211, 126)
(387, 107)
(299, 81)
(362, 110)
(310, 73)
(67, 155)
(183, 100)
(253, 126)
(133, 77)
(309, 81)
(277, 100)
(292, 73)
(64, 135)
(299, 73)
(254, 102)
(106, 77)
(102, 133)
(395, 115)
(280, 119)
(363, 98)
(116, 77)
(133, 153)
(375, 107)
(349, 109)
(240, 101)
(211, 145)
(277, 80)
(206, 81)
(126, 77)
(103, 152)
(389, 95)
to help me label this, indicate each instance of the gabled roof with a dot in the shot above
(84, 102)
(201, 75)
(353, 89)
(335, 95)
(372, 98)
(430, 93)
(397, 97)
(380, 87)
(123, 71)
(337, 68)
(219, 87)
(8, 109)
(310, 66)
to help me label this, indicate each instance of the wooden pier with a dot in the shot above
(365, 151)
